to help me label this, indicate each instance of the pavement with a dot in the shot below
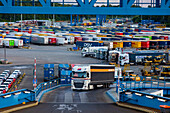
(64, 100)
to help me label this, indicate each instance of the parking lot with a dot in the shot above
(23, 59)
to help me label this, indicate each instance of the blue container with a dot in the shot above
(155, 37)
(126, 33)
(82, 44)
(48, 72)
(127, 44)
(85, 39)
(63, 66)
(133, 33)
(162, 44)
(65, 79)
(168, 43)
(26, 39)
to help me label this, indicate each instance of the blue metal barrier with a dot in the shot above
(143, 99)
(131, 91)
(16, 97)
(45, 85)
(26, 95)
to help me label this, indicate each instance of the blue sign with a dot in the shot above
(34, 82)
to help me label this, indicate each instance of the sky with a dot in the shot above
(142, 1)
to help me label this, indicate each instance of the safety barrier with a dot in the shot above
(143, 99)
(16, 97)
(25, 95)
(131, 91)
(45, 85)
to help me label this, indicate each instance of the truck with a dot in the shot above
(91, 51)
(48, 72)
(116, 57)
(82, 44)
(86, 77)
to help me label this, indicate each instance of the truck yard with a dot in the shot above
(65, 68)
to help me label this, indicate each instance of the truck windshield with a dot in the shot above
(79, 74)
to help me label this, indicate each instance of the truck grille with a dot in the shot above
(78, 85)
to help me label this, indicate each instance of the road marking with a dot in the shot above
(68, 97)
(83, 97)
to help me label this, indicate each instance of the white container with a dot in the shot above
(60, 41)
(39, 39)
(18, 43)
(69, 38)
(1, 42)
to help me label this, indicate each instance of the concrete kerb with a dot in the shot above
(125, 105)
(38, 99)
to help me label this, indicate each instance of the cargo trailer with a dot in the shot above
(18, 43)
(1, 42)
(60, 40)
(39, 40)
(9, 43)
(82, 44)
(26, 39)
(86, 77)
(52, 40)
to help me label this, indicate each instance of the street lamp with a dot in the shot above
(53, 14)
(21, 17)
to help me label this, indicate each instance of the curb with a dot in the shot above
(136, 108)
(20, 108)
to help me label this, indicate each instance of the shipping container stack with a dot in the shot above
(64, 74)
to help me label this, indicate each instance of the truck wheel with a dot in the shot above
(95, 86)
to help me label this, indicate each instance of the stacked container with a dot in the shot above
(64, 73)
(145, 44)
(117, 44)
(136, 44)
(48, 72)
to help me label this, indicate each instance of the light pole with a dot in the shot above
(53, 14)
(21, 17)
(5, 54)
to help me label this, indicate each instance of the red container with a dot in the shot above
(145, 44)
(52, 41)
(77, 39)
(137, 30)
(119, 33)
(16, 29)
(165, 37)
(7, 32)
(52, 32)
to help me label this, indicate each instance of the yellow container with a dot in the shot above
(136, 44)
(101, 35)
(42, 34)
(18, 34)
(117, 44)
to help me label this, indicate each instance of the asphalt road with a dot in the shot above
(64, 100)
(45, 54)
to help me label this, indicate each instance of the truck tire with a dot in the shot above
(95, 86)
